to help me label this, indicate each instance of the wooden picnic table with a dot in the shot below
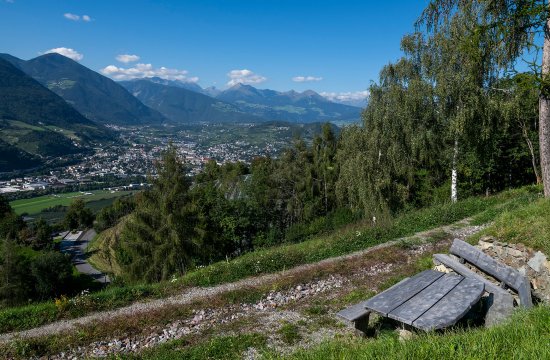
(429, 300)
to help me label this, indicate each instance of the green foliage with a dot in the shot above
(110, 215)
(78, 216)
(42, 239)
(52, 272)
(157, 240)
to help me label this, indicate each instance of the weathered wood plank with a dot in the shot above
(354, 312)
(452, 307)
(464, 271)
(390, 299)
(500, 271)
(413, 308)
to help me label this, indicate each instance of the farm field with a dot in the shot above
(93, 198)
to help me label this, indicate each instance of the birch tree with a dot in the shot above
(511, 28)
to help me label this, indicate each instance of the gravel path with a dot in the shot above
(460, 230)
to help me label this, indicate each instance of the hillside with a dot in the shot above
(38, 122)
(307, 106)
(184, 106)
(95, 96)
(192, 318)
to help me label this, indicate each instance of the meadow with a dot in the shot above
(34, 206)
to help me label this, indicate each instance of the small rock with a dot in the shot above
(441, 268)
(537, 261)
(404, 334)
(515, 252)
(484, 245)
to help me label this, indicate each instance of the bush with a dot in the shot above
(52, 272)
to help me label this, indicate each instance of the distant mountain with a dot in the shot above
(211, 91)
(35, 122)
(176, 83)
(307, 106)
(95, 96)
(181, 105)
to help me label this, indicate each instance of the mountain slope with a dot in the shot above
(185, 106)
(34, 120)
(95, 96)
(307, 106)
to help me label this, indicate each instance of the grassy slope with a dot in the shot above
(102, 253)
(275, 259)
(525, 336)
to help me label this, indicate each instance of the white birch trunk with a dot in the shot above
(454, 175)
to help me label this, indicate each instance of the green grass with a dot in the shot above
(290, 333)
(529, 225)
(36, 205)
(275, 259)
(525, 336)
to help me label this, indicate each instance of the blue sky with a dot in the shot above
(327, 46)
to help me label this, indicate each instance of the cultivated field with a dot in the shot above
(35, 205)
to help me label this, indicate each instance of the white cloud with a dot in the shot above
(125, 58)
(306, 78)
(72, 17)
(140, 71)
(346, 96)
(75, 17)
(10, 1)
(244, 77)
(70, 53)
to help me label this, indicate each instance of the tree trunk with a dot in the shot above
(544, 113)
(454, 174)
(525, 133)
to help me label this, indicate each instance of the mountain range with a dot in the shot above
(36, 123)
(95, 96)
(188, 102)
(183, 106)
(52, 105)
(307, 106)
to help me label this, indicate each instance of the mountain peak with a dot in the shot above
(310, 93)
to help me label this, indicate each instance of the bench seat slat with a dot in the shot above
(452, 307)
(413, 308)
(390, 299)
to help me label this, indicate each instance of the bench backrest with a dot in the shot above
(498, 270)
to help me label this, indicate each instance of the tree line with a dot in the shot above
(450, 119)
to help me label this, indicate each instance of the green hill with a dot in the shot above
(36, 123)
(95, 96)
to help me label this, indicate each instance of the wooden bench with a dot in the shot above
(429, 300)
(434, 300)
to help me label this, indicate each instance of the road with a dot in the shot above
(77, 250)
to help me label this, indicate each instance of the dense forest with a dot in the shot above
(452, 118)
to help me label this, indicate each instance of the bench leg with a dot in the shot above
(362, 325)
